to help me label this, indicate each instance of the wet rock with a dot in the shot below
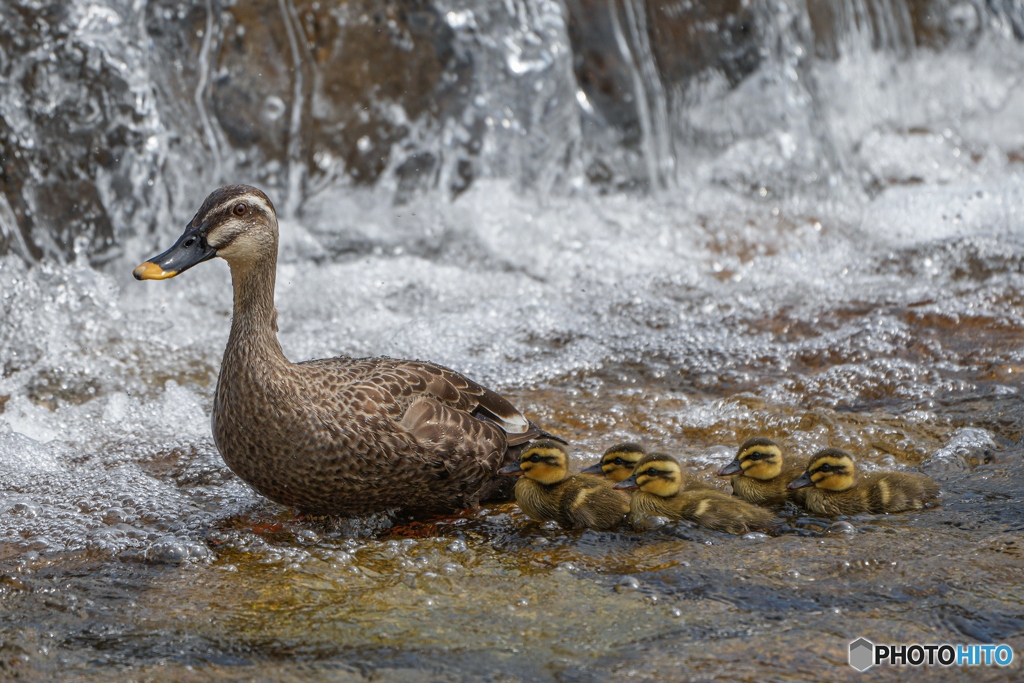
(14, 583)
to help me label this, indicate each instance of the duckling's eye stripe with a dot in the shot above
(758, 455)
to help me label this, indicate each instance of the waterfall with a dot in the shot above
(115, 117)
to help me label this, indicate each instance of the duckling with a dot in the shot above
(838, 491)
(758, 475)
(658, 478)
(618, 462)
(323, 435)
(546, 492)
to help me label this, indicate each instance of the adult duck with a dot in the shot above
(322, 435)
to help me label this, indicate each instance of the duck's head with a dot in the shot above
(830, 469)
(759, 458)
(237, 223)
(618, 462)
(657, 473)
(545, 461)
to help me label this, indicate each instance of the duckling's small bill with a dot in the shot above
(802, 482)
(627, 484)
(732, 468)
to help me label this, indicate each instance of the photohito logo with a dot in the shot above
(864, 654)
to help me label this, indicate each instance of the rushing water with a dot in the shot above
(801, 225)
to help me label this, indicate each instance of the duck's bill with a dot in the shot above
(626, 484)
(732, 468)
(190, 249)
(803, 481)
(514, 469)
(593, 469)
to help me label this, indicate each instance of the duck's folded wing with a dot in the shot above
(453, 435)
(464, 394)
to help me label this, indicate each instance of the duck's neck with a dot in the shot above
(254, 318)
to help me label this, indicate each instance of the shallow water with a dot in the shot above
(846, 270)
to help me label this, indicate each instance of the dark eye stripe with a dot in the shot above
(758, 456)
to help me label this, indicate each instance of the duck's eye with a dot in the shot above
(652, 472)
(239, 209)
(189, 242)
(534, 458)
(619, 461)
(825, 468)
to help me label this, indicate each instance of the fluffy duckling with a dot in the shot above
(546, 492)
(759, 476)
(618, 462)
(838, 491)
(658, 478)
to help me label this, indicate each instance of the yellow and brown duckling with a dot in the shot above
(838, 491)
(659, 480)
(546, 492)
(618, 462)
(759, 475)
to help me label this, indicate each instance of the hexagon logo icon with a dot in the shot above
(862, 654)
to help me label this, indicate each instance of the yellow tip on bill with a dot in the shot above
(151, 271)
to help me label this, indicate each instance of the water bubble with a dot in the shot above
(627, 585)
(307, 535)
(26, 510)
(167, 551)
(842, 528)
(114, 515)
(456, 546)
(273, 108)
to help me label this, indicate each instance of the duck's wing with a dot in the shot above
(433, 403)
(459, 392)
(451, 432)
